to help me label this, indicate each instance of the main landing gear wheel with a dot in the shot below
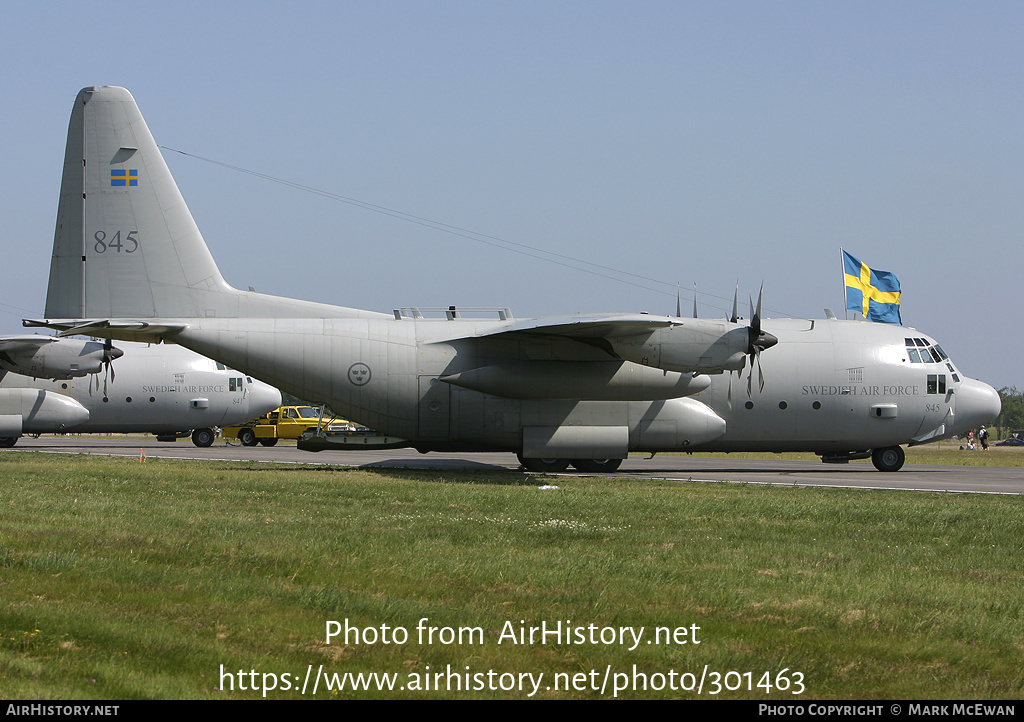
(548, 465)
(8, 441)
(597, 466)
(267, 442)
(203, 437)
(248, 437)
(890, 458)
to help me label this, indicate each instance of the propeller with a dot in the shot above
(758, 341)
(734, 318)
(679, 301)
(110, 352)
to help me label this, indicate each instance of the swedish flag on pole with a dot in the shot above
(875, 294)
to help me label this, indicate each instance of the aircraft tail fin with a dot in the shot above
(122, 219)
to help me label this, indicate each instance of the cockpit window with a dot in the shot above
(919, 352)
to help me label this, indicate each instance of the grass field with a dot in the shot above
(126, 580)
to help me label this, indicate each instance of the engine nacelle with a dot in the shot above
(697, 345)
(55, 358)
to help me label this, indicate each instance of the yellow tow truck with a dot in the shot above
(287, 422)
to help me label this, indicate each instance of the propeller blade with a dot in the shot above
(735, 300)
(755, 316)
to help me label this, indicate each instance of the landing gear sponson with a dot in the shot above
(590, 466)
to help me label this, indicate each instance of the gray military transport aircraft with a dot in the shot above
(51, 385)
(130, 263)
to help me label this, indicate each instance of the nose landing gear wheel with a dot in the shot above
(890, 458)
(203, 437)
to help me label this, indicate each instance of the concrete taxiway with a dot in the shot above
(860, 475)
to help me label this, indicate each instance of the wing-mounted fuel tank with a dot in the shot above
(45, 357)
(38, 412)
(585, 380)
(593, 430)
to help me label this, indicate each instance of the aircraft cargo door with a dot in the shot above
(434, 408)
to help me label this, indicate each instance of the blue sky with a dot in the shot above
(680, 142)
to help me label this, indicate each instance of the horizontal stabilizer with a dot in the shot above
(123, 329)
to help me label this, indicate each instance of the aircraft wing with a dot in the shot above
(582, 327)
(123, 329)
(25, 343)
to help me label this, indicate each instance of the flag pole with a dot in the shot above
(842, 261)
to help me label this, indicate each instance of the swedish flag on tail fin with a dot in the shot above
(874, 294)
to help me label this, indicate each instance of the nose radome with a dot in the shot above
(263, 398)
(976, 403)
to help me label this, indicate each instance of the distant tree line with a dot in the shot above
(1012, 416)
(289, 400)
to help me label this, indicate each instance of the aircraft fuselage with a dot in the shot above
(831, 386)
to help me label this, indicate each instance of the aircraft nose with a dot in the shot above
(263, 398)
(976, 403)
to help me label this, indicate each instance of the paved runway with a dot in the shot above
(723, 468)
